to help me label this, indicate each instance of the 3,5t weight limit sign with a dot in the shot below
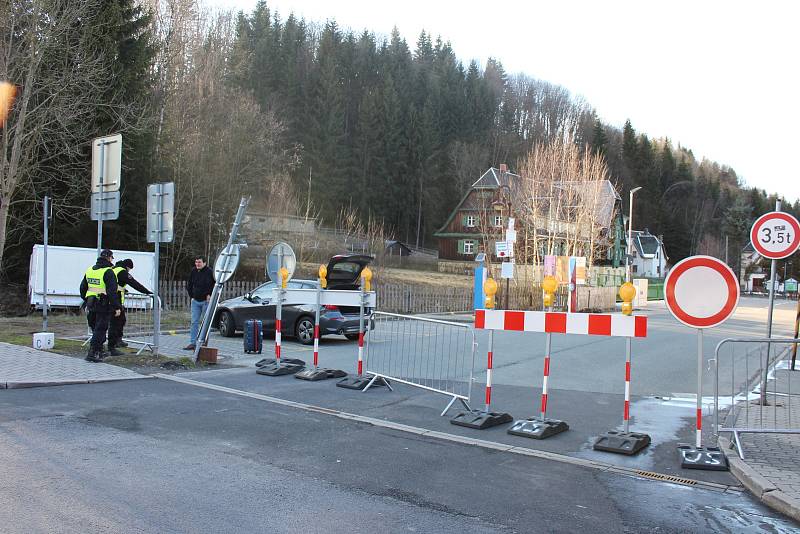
(775, 235)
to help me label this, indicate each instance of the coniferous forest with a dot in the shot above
(307, 116)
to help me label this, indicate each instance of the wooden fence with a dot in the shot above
(408, 298)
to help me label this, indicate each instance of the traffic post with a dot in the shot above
(701, 292)
(774, 235)
(625, 442)
(317, 373)
(483, 419)
(543, 427)
(278, 367)
(361, 382)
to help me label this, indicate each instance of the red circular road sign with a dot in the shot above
(701, 291)
(775, 235)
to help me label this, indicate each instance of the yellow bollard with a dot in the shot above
(284, 273)
(626, 293)
(490, 288)
(323, 276)
(366, 274)
(549, 285)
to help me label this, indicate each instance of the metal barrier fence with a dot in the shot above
(753, 392)
(437, 356)
(139, 324)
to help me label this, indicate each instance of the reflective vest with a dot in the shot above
(120, 287)
(94, 278)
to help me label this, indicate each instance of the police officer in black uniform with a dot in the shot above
(99, 290)
(124, 278)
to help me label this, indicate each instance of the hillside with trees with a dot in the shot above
(312, 117)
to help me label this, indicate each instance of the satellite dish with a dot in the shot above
(280, 255)
(226, 264)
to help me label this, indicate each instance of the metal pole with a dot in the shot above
(627, 412)
(489, 372)
(44, 274)
(361, 327)
(630, 240)
(546, 375)
(101, 203)
(699, 436)
(773, 273)
(156, 301)
(316, 324)
(212, 304)
(796, 332)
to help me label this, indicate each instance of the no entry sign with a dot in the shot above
(701, 291)
(775, 235)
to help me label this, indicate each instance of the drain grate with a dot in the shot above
(666, 478)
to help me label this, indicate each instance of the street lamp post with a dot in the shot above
(630, 237)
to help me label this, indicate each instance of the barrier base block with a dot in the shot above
(480, 419)
(320, 373)
(354, 382)
(288, 366)
(537, 429)
(707, 458)
(628, 443)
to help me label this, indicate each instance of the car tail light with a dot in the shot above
(331, 307)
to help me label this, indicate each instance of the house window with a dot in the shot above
(497, 220)
(470, 221)
(469, 246)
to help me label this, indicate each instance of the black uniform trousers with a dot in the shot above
(116, 328)
(102, 319)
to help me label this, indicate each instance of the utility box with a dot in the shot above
(44, 340)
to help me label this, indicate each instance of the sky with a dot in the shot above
(720, 78)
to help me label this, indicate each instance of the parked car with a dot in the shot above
(297, 320)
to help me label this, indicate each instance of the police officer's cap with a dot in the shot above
(106, 253)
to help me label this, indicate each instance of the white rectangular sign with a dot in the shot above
(507, 269)
(160, 212)
(501, 249)
(511, 236)
(329, 297)
(109, 150)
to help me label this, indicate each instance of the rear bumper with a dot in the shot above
(344, 325)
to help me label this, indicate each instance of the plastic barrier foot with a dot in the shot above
(354, 382)
(707, 458)
(537, 429)
(628, 443)
(320, 374)
(480, 419)
(287, 366)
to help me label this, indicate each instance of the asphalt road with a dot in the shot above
(156, 456)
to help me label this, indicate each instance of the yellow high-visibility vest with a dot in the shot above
(120, 287)
(94, 277)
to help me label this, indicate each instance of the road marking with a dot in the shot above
(503, 447)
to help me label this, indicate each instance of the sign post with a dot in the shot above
(701, 292)
(160, 216)
(774, 235)
(106, 180)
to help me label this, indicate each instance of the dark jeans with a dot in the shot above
(115, 331)
(99, 321)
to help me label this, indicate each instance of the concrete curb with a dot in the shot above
(758, 485)
(22, 385)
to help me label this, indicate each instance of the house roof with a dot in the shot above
(646, 244)
(493, 178)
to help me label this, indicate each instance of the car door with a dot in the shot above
(262, 307)
(290, 312)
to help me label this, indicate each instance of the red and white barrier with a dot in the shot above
(594, 324)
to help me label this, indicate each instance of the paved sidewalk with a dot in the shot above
(22, 367)
(771, 468)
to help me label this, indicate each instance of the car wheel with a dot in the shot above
(351, 337)
(227, 326)
(304, 330)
